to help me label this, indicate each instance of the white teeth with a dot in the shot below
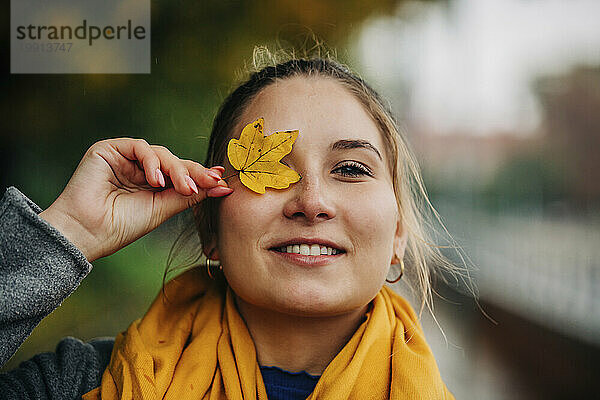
(309, 249)
(315, 250)
(304, 249)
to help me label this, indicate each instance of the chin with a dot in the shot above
(309, 301)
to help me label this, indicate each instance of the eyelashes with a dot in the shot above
(348, 169)
(353, 169)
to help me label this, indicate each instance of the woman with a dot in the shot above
(297, 306)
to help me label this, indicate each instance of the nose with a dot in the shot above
(309, 201)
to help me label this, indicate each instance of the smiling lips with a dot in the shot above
(308, 249)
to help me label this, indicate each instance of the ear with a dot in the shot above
(211, 251)
(400, 239)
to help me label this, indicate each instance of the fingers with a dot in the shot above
(139, 150)
(163, 169)
(208, 179)
(219, 191)
(176, 171)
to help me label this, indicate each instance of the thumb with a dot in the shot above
(169, 202)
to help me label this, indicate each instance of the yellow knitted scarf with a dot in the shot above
(193, 344)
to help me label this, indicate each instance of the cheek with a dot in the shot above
(243, 216)
(231, 215)
(375, 216)
(374, 220)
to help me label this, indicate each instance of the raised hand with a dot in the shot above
(124, 188)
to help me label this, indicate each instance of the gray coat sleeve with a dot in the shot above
(73, 370)
(39, 269)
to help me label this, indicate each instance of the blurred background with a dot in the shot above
(500, 100)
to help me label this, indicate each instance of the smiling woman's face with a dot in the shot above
(345, 200)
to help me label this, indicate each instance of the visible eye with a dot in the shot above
(352, 169)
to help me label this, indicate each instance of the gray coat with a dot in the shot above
(39, 269)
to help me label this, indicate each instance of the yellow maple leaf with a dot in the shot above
(257, 157)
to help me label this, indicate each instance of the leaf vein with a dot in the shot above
(265, 153)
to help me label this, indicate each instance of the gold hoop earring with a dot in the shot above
(401, 273)
(210, 263)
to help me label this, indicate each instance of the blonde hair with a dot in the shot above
(419, 217)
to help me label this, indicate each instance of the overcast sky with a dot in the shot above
(468, 66)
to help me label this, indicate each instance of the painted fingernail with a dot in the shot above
(191, 184)
(219, 168)
(218, 191)
(213, 174)
(160, 178)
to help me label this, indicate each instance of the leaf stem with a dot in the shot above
(229, 176)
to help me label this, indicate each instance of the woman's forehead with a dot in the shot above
(321, 108)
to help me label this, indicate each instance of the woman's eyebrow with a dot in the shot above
(355, 144)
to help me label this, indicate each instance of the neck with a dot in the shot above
(298, 343)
